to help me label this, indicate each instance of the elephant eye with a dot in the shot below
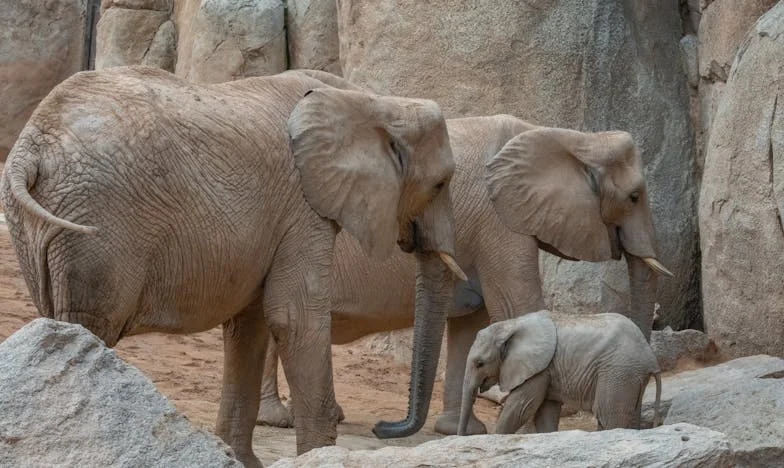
(479, 364)
(634, 197)
(439, 186)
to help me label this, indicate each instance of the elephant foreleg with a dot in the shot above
(461, 332)
(244, 344)
(271, 411)
(522, 404)
(297, 308)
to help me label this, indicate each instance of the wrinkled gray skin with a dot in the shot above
(599, 363)
(517, 188)
(206, 205)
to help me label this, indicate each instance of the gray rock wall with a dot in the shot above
(742, 198)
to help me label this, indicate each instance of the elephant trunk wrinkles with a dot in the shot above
(433, 297)
(642, 287)
(467, 404)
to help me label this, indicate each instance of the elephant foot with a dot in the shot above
(273, 413)
(448, 421)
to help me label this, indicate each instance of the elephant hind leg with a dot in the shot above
(245, 339)
(617, 401)
(522, 404)
(272, 412)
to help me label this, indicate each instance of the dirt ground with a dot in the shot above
(187, 369)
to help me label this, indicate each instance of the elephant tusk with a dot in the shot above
(657, 267)
(450, 262)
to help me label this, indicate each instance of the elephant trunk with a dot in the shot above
(467, 403)
(642, 287)
(434, 285)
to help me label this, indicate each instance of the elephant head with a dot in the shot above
(380, 167)
(583, 196)
(507, 353)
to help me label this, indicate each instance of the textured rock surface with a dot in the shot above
(743, 399)
(312, 34)
(157, 5)
(680, 445)
(742, 199)
(135, 37)
(723, 26)
(223, 40)
(41, 44)
(589, 65)
(670, 347)
(68, 400)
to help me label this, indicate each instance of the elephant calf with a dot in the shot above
(600, 363)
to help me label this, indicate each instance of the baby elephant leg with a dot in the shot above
(522, 404)
(548, 416)
(617, 401)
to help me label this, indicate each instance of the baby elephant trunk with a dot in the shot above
(467, 406)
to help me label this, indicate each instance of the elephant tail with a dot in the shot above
(23, 174)
(657, 402)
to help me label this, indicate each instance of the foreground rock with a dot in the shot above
(742, 200)
(679, 445)
(743, 399)
(67, 400)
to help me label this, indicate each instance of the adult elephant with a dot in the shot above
(138, 202)
(517, 188)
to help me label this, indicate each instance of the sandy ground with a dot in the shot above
(187, 369)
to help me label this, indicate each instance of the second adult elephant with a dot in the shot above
(517, 188)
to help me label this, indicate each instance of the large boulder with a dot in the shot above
(41, 44)
(312, 34)
(679, 445)
(67, 400)
(223, 40)
(743, 399)
(584, 64)
(673, 347)
(742, 198)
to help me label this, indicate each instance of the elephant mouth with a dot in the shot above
(485, 385)
(411, 242)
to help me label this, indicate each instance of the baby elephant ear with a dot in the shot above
(346, 162)
(543, 183)
(527, 350)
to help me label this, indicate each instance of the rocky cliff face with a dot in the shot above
(742, 236)
(659, 69)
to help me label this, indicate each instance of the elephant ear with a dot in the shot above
(527, 349)
(348, 164)
(543, 183)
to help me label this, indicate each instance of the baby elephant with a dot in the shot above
(600, 363)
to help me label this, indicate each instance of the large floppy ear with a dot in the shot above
(350, 165)
(527, 349)
(544, 182)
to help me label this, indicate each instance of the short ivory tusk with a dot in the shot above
(657, 267)
(452, 265)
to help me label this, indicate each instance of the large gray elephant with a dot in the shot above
(138, 202)
(599, 363)
(517, 188)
